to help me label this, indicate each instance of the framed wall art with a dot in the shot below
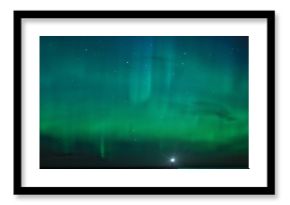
(144, 102)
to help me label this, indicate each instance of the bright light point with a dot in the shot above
(172, 159)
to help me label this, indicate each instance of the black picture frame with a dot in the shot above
(18, 163)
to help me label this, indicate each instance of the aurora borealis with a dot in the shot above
(144, 102)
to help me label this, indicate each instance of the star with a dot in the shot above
(86, 49)
(172, 160)
(127, 62)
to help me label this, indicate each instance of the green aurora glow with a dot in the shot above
(136, 102)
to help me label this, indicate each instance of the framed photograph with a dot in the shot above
(144, 102)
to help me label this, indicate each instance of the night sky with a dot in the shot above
(144, 102)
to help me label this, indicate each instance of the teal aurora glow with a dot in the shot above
(144, 102)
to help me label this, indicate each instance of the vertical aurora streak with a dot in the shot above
(144, 102)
